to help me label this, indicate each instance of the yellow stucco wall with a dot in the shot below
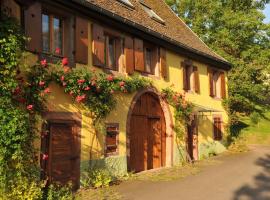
(92, 142)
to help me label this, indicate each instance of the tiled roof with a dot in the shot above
(174, 28)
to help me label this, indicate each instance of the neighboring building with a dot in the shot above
(122, 37)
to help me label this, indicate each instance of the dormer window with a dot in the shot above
(126, 3)
(152, 13)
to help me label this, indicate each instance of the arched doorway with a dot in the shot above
(147, 134)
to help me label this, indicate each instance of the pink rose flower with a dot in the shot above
(62, 78)
(80, 81)
(87, 88)
(41, 83)
(122, 84)
(64, 84)
(47, 90)
(45, 157)
(80, 98)
(44, 63)
(110, 78)
(64, 61)
(30, 107)
(57, 50)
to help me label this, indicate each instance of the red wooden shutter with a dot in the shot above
(163, 64)
(185, 85)
(81, 52)
(10, 8)
(196, 79)
(217, 128)
(210, 77)
(139, 57)
(129, 55)
(98, 45)
(223, 85)
(33, 27)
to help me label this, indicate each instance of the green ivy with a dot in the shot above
(182, 114)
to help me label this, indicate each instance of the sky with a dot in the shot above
(267, 13)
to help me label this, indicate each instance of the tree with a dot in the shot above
(235, 30)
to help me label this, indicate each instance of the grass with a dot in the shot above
(162, 174)
(106, 193)
(257, 133)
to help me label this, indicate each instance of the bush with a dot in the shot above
(22, 189)
(97, 178)
(255, 117)
(238, 145)
(57, 192)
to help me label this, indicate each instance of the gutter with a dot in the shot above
(94, 10)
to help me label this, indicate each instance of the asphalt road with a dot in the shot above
(243, 176)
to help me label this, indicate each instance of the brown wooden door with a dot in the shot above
(147, 134)
(63, 164)
(192, 139)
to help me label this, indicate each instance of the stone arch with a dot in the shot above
(168, 120)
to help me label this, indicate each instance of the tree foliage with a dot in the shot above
(235, 30)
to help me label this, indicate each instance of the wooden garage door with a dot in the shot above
(147, 134)
(63, 164)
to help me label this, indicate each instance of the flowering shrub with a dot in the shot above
(182, 115)
(94, 90)
(183, 108)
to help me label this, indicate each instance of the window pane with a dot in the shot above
(57, 35)
(45, 33)
(148, 60)
(111, 53)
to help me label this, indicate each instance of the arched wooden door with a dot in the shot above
(147, 134)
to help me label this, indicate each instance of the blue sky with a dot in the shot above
(267, 13)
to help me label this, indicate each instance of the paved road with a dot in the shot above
(238, 177)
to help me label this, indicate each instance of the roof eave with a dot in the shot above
(173, 45)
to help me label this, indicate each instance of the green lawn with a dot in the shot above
(257, 133)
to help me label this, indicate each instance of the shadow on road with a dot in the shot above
(261, 188)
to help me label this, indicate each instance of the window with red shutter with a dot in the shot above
(52, 34)
(111, 139)
(217, 87)
(191, 80)
(217, 122)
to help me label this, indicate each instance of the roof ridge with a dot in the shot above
(193, 31)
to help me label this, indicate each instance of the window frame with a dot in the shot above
(107, 37)
(52, 15)
(216, 83)
(189, 78)
(217, 136)
(153, 63)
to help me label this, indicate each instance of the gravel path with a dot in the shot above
(243, 176)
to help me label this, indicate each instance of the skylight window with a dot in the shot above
(152, 14)
(126, 3)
